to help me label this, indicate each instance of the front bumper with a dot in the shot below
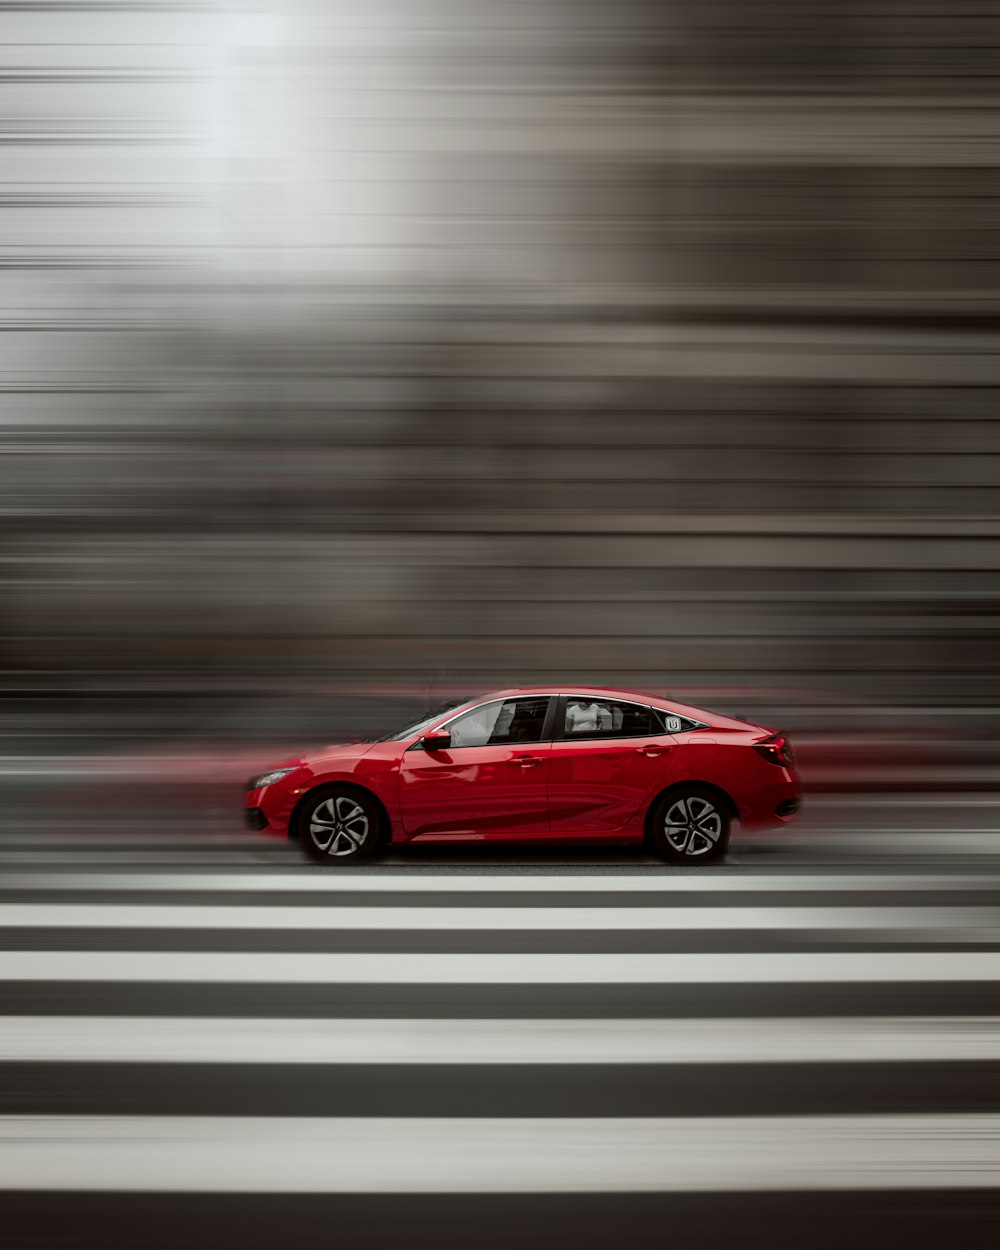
(268, 809)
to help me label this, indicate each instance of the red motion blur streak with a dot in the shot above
(194, 787)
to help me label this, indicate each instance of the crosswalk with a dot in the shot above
(236, 1049)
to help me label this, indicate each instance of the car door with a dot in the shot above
(608, 757)
(490, 782)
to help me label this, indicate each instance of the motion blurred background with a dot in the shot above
(358, 352)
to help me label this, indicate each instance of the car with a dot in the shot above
(573, 763)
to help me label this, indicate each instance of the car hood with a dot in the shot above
(332, 752)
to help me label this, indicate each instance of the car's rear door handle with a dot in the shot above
(526, 761)
(651, 750)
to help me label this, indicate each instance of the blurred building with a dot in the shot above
(459, 342)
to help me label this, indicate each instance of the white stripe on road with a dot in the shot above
(652, 880)
(983, 920)
(257, 968)
(374, 1155)
(76, 1039)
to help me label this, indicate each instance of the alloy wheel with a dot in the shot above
(338, 826)
(692, 825)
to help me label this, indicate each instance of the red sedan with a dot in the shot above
(537, 764)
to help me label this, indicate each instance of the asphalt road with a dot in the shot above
(212, 1041)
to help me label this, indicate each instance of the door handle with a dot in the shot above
(651, 750)
(526, 761)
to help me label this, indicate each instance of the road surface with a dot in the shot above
(221, 1044)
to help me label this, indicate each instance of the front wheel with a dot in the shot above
(338, 826)
(690, 826)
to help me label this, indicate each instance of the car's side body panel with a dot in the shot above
(475, 792)
(723, 758)
(598, 786)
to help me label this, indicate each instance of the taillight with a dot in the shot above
(776, 750)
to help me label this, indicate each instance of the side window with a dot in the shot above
(588, 717)
(494, 724)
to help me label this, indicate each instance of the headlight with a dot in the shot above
(267, 779)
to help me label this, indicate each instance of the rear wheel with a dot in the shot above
(338, 826)
(690, 826)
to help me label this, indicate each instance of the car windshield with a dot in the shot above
(427, 719)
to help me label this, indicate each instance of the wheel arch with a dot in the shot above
(335, 783)
(689, 783)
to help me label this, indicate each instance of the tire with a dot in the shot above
(690, 825)
(338, 826)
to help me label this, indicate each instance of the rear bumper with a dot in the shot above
(774, 799)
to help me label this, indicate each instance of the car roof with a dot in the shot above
(638, 696)
(566, 688)
(720, 719)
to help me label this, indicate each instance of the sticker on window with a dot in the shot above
(673, 724)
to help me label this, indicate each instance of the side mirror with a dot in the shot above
(439, 741)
